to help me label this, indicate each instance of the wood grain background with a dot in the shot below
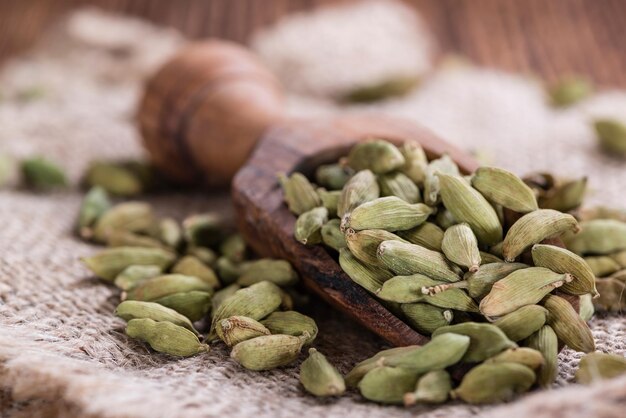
(547, 37)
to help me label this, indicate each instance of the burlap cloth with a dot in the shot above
(63, 353)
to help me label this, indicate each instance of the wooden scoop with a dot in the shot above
(213, 106)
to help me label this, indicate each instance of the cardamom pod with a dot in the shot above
(319, 377)
(427, 235)
(565, 197)
(376, 155)
(620, 258)
(410, 289)
(169, 232)
(332, 235)
(520, 288)
(569, 91)
(533, 228)
(308, 229)
(602, 265)
(586, 310)
(330, 200)
(133, 275)
(405, 259)
(599, 236)
(432, 388)
(611, 134)
(461, 247)
(440, 352)
(192, 266)
(415, 161)
(468, 205)
(95, 203)
(495, 382)
(479, 284)
(432, 186)
(127, 216)
(299, 193)
(332, 176)
(194, 305)
(487, 258)
(256, 302)
(389, 213)
(545, 341)
(388, 384)
(385, 89)
(371, 278)
(42, 174)
(114, 178)
(107, 264)
(561, 260)
(166, 337)
(204, 254)
(504, 188)
(399, 185)
(168, 284)
(523, 322)
(228, 271)
(291, 323)
(223, 294)
(612, 295)
(120, 238)
(361, 188)
(236, 329)
(486, 340)
(203, 230)
(234, 248)
(529, 357)
(268, 351)
(134, 309)
(426, 318)
(568, 325)
(355, 375)
(364, 244)
(594, 367)
(279, 272)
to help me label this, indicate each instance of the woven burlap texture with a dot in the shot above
(63, 353)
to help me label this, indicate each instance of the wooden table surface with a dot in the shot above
(547, 37)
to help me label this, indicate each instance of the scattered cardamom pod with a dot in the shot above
(612, 295)
(291, 323)
(236, 329)
(360, 369)
(494, 382)
(107, 264)
(131, 276)
(95, 203)
(128, 216)
(392, 87)
(268, 351)
(529, 357)
(221, 295)
(42, 175)
(486, 340)
(192, 266)
(115, 178)
(611, 134)
(595, 367)
(319, 377)
(569, 91)
(168, 284)
(432, 388)
(166, 337)
(388, 384)
(440, 352)
(504, 188)
(194, 305)
(134, 309)
(234, 248)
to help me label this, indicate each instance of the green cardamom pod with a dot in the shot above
(486, 340)
(389, 213)
(586, 309)
(300, 195)
(227, 270)
(612, 295)
(319, 377)
(361, 188)
(169, 232)
(529, 357)
(546, 342)
(256, 302)
(223, 294)
(600, 366)
(194, 305)
(602, 265)
(565, 197)
(41, 174)
(432, 388)
(426, 318)
(279, 272)
(330, 200)
(166, 337)
(134, 309)
(479, 284)
(168, 284)
(461, 247)
(568, 325)
(385, 89)
(127, 216)
(399, 185)
(364, 244)
(234, 248)
(561, 260)
(599, 236)
(204, 254)
(332, 176)
(468, 205)
(487, 258)
(95, 203)
(520, 288)
(332, 235)
(121, 238)
(504, 188)
(611, 134)
(388, 384)
(495, 382)
(405, 259)
(415, 161)
(371, 278)
(376, 155)
(308, 229)
(268, 351)
(360, 369)
(192, 266)
(291, 323)
(236, 329)
(432, 186)
(533, 228)
(115, 178)
(107, 264)
(523, 322)
(569, 91)
(427, 235)
(131, 276)
(440, 352)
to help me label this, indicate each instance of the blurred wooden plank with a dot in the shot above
(539, 36)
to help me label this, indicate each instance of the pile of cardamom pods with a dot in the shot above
(470, 260)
